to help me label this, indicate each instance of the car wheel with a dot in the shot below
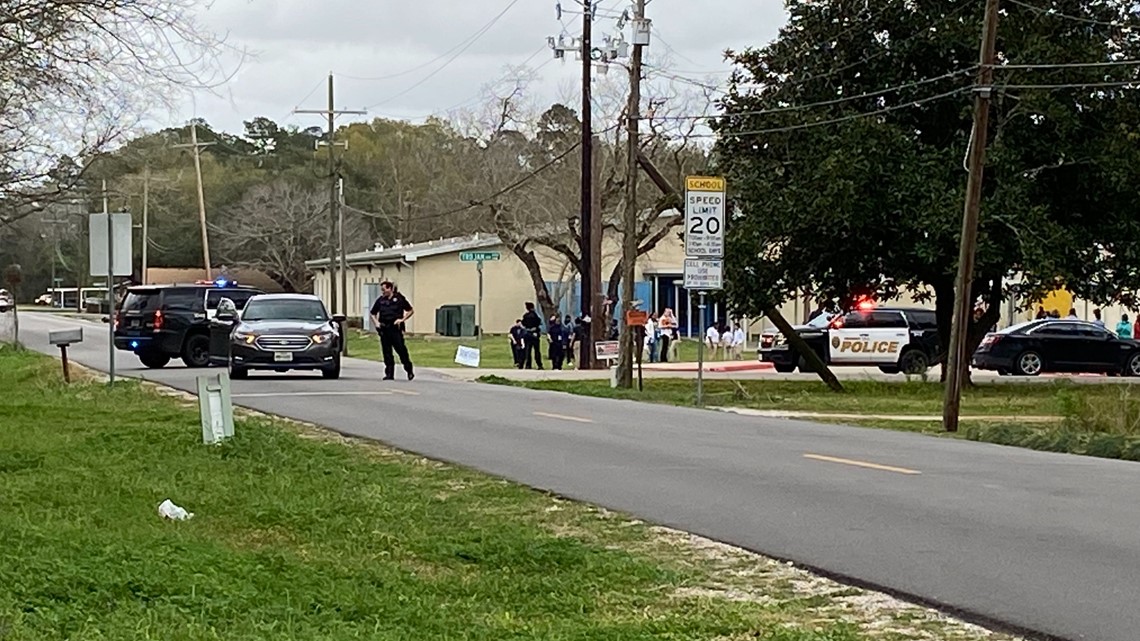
(332, 372)
(913, 363)
(154, 360)
(1029, 364)
(196, 352)
(238, 373)
(785, 369)
(1132, 368)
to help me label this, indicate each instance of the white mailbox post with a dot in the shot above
(63, 339)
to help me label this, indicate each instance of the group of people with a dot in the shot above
(729, 341)
(1124, 328)
(562, 338)
(661, 338)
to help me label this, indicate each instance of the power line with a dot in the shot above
(1071, 65)
(826, 103)
(906, 105)
(452, 59)
(1075, 85)
(1065, 16)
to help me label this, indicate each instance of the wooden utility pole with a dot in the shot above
(957, 359)
(146, 221)
(197, 147)
(588, 266)
(629, 346)
(331, 112)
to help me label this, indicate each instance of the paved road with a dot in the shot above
(1047, 543)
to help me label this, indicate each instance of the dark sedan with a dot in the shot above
(278, 332)
(1052, 345)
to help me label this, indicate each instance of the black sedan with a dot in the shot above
(277, 332)
(1053, 345)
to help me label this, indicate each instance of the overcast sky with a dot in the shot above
(298, 42)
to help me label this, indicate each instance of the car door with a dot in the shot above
(1061, 345)
(221, 327)
(868, 337)
(1101, 351)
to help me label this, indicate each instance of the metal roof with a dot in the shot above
(410, 253)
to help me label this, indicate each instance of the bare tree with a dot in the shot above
(77, 76)
(277, 227)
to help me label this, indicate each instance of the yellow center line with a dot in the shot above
(576, 419)
(866, 464)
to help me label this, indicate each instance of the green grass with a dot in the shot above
(439, 351)
(302, 535)
(1094, 420)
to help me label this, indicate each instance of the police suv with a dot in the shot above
(894, 339)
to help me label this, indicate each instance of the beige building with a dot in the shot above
(432, 275)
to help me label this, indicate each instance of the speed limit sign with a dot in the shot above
(704, 217)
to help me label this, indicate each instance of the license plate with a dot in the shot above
(135, 322)
(282, 357)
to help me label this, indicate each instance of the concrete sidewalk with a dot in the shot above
(909, 418)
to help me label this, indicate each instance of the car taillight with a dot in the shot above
(157, 320)
(118, 320)
(990, 339)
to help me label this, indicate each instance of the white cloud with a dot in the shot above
(298, 42)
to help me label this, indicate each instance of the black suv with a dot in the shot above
(161, 322)
(277, 332)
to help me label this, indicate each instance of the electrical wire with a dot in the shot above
(452, 59)
(1075, 85)
(906, 105)
(826, 103)
(1058, 14)
(1070, 65)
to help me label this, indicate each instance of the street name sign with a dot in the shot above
(704, 216)
(471, 257)
(704, 274)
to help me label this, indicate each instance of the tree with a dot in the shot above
(78, 75)
(862, 193)
(277, 227)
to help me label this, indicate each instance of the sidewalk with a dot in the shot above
(912, 418)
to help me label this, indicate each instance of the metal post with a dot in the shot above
(479, 310)
(700, 352)
(110, 288)
(66, 367)
(343, 260)
(146, 221)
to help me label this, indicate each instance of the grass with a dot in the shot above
(439, 351)
(298, 534)
(1094, 420)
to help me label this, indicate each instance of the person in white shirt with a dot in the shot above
(712, 339)
(738, 340)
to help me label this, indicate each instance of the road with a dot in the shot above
(1048, 544)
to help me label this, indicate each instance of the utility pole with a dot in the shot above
(586, 358)
(343, 258)
(197, 146)
(146, 221)
(629, 344)
(331, 112)
(957, 358)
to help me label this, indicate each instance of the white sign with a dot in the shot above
(120, 234)
(467, 356)
(704, 274)
(607, 350)
(704, 217)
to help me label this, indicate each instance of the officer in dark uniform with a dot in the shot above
(389, 313)
(532, 322)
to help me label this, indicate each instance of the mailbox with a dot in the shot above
(65, 337)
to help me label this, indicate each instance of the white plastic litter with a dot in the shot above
(169, 510)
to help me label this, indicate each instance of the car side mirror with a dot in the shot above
(339, 318)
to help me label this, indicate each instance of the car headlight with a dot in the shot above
(245, 337)
(320, 338)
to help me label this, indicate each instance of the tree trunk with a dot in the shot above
(797, 343)
(541, 293)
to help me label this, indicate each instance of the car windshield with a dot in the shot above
(140, 300)
(285, 309)
(821, 321)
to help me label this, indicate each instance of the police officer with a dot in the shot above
(389, 313)
(532, 322)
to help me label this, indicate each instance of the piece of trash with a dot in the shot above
(169, 510)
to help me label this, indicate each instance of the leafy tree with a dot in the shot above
(862, 193)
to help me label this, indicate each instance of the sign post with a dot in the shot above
(705, 203)
(478, 258)
(109, 237)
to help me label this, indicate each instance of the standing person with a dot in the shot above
(1041, 313)
(651, 337)
(556, 332)
(1097, 320)
(518, 342)
(667, 325)
(738, 340)
(532, 323)
(1124, 328)
(712, 339)
(389, 314)
(571, 334)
